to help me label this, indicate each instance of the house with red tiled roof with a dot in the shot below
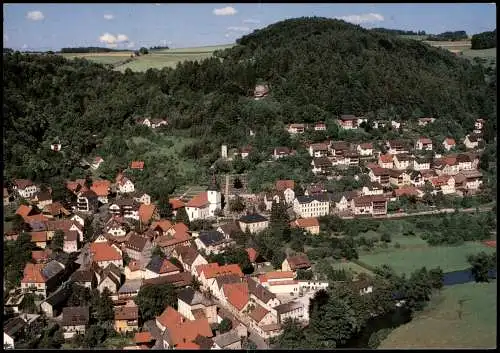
(161, 226)
(185, 333)
(65, 225)
(148, 213)
(25, 188)
(124, 185)
(280, 282)
(365, 149)
(87, 200)
(159, 266)
(449, 143)
(101, 189)
(39, 238)
(55, 210)
(296, 262)
(144, 339)
(310, 224)
(169, 318)
(195, 305)
(25, 211)
(205, 204)
(444, 184)
(237, 296)
(189, 257)
(172, 239)
(104, 254)
(408, 191)
(41, 256)
(296, 128)
(386, 161)
(42, 278)
(138, 248)
(208, 273)
(126, 318)
(261, 317)
(138, 165)
(423, 143)
(176, 205)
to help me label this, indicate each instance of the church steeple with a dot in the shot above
(213, 185)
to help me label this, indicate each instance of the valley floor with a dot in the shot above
(461, 316)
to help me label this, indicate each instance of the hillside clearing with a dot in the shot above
(442, 325)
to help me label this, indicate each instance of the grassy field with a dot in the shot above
(100, 58)
(159, 59)
(412, 257)
(355, 269)
(446, 323)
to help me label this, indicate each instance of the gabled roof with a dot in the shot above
(253, 218)
(23, 183)
(101, 187)
(287, 307)
(258, 313)
(199, 201)
(366, 145)
(307, 222)
(227, 279)
(52, 269)
(143, 337)
(75, 316)
(211, 238)
(386, 158)
(146, 212)
(226, 339)
(322, 162)
(258, 290)
(214, 270)
(252, 254)
(425, 140)
(126, 312)
(192, 297)
(237, 294)
(176, 203)
(281, 150)
(188, 331)
(33, 273)
(187, 253)
(136, 242)
(163, 224)
(170, 317)
(282, 185)
(161, 266)
(229, 228)
(104, 252)
(298, 261)
(273, 275)
(137, 165)
(24, 210)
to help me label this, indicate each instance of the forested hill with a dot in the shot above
(317, 69)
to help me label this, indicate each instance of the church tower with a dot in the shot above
(214, 197)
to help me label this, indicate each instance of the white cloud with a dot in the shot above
(112, 41)
(251, 21)
(225, 11)
(238, 29)
(121, 38)
(109, 17)
(35, 16)
(364, 18)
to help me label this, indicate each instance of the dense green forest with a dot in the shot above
(449, 35)
(90, 50)
(316, 68)
(398, 32)
(484, 40)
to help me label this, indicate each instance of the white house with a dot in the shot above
(449, 143)
(365, 149)
(253, 222)
(96, 163)
(421, 164)
(25, 188)
(311, 206)
(402, 161)
(471, 141)
(423, 143)
(318, 150)
(124, 184)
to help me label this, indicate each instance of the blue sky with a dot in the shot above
(52, 26)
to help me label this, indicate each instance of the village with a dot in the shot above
(127, 229)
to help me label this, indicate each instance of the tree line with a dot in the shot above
(484, 40)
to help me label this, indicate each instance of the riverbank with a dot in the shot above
(460, 316)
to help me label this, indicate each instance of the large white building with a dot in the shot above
(311, 206)
(204, 205)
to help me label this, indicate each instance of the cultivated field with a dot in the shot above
(461, 316)
(159, 59)
(101, 58)
(409, 258)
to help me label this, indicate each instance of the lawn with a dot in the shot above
(355, 269)
(461, 316)
(410, 258)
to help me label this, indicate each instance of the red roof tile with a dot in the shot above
(24, 210)
(450, 141)
(189, 330)
(215, 271)
(143, 337)
(101, 187)
(33, 273)
(180, 228)
(146, 212)
(282, 185)
(104, 252)
(386, 158)
(199, 201)
(425, 140)
(137, 165)
(258, 313)
(176, 203)
(37, 237)
(163, 224)
(237, 294)
(170, 318)
(276, 275)
(307, 222)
